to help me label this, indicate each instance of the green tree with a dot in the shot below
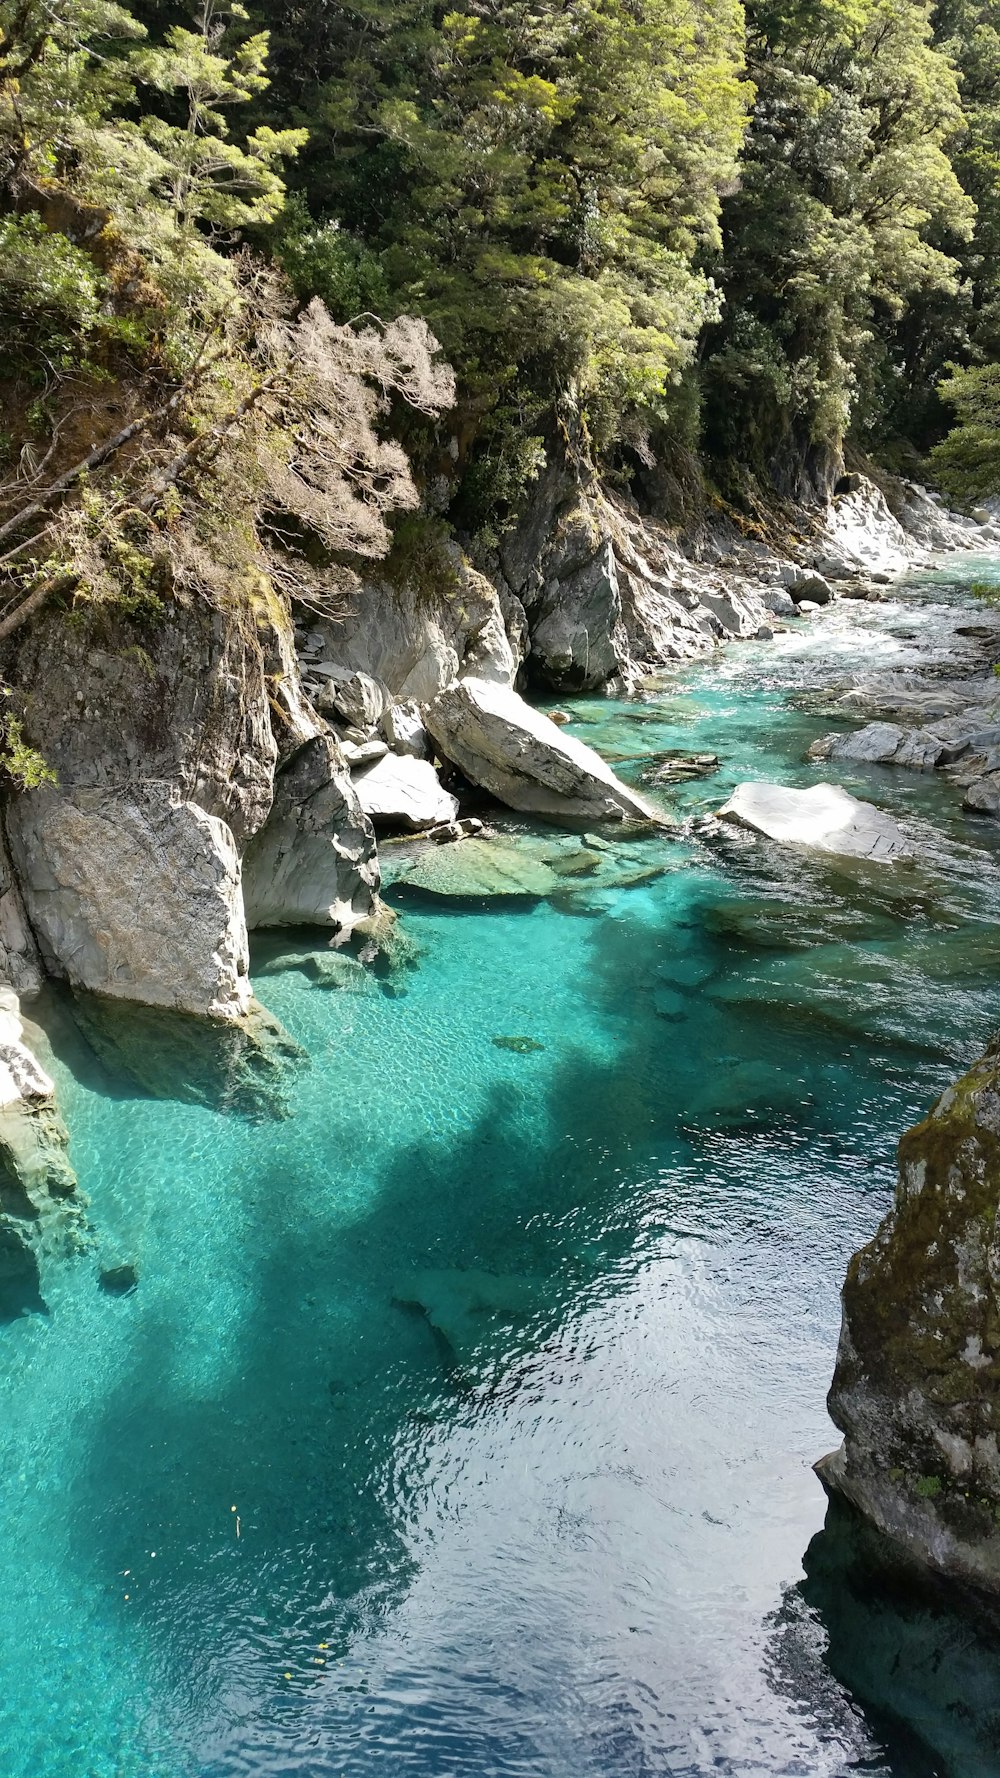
(849, 212)
(208, 177)
(541, 182)
(967, 462)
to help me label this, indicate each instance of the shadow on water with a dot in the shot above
(280, 1490)
(926, 1679)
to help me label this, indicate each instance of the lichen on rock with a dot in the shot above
(916, 1391)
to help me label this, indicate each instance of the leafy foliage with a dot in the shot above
(849, 210)
(967, 462)
(542, 183)
(643, 230)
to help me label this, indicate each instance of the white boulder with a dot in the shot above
(403, 728)
(399, 791)
(138, 896)
(824, 816)
(523, 759)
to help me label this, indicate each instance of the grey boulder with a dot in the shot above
(523, 759)
(983, 795)
(403, 729)
(573, 632)
(361, 700)
(138, 897)
(314, 861)
(778, 601)
(883, 743)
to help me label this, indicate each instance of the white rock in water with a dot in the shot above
(137, 897)
(825, 816)
(21, 1074)
(405, 792)
(525, 760)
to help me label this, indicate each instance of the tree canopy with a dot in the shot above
(637, 227)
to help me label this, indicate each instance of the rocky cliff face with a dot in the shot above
(41, 1210)
(176, 741)
(917, 1385)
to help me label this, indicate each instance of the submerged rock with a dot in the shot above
(516, 753)
(120, 1280)
(477, 868)
(916, 1391)
(337, 970)
(41, 1208)
(468, 1307)
(521, 1046)
(825, 817)
(243, 1065)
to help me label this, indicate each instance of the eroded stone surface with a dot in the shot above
(479, 868)
(825, 816)
(416, 638)
(314, 861)
(244, 1065)
(136, 896)
(41, 1207)
(916, 1391)
(402, 792)
(519, 756)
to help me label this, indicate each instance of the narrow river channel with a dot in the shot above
(462, 1423)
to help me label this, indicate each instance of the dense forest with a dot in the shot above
(701, 250)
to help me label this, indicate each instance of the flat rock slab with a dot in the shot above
(525, 760)
(398, 790)
(480, 868)
(825, 817)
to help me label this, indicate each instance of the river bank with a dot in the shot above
(511, 1356)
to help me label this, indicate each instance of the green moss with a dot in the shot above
(928, 1486)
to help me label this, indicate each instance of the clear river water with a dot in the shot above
(462, 1422)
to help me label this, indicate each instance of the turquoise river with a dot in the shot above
(462, 1422)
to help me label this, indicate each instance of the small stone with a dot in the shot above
(119, 1280)
(364, 753)
(670, 1004)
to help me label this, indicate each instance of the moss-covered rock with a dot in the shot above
(917, 1385)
